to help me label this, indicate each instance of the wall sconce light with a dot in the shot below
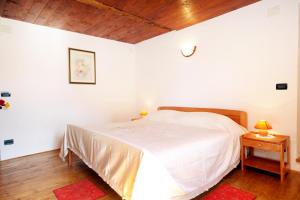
(188, 50)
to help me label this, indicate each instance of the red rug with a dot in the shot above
(82, 190)
(227, 192)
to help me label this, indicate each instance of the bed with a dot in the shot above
(175, 153)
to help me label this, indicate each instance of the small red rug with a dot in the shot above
(227, 192)
(83, 190)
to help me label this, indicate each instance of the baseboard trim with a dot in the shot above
(10, 159)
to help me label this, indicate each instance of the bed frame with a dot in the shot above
(239, 117)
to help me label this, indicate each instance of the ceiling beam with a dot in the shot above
(2, 4)
(136, 18)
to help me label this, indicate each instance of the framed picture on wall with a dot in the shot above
(82, 66)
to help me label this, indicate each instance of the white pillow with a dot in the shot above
(168, 116)
(206, 120)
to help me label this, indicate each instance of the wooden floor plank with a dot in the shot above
(36, 176)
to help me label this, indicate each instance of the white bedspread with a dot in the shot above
(147, 160)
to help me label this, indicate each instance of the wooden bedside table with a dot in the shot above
(136, 118)
(278, 143)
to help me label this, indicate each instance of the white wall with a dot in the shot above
(240, 57)
(34, 68)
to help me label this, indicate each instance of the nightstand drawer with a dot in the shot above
(261, 145)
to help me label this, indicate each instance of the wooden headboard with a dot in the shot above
(238, 116)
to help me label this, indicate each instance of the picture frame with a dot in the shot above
(82, 66)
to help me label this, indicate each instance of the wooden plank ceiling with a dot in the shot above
(130, 21)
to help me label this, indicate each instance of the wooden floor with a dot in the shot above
(34, 177)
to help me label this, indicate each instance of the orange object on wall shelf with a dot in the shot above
(143, 113)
